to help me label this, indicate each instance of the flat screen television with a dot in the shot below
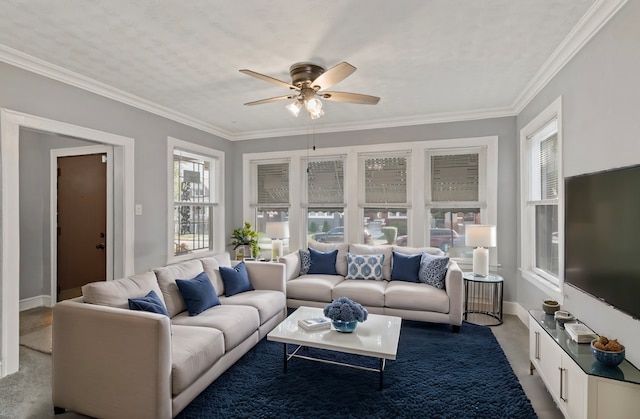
(602, 236)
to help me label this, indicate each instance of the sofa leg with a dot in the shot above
(455, 329)
(58, 410)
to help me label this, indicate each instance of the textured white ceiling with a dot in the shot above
(427, 59)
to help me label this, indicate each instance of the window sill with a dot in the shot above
(553, 291)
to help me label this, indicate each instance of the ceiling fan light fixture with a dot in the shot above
(316, 115)
(313, 105)
(294, 107)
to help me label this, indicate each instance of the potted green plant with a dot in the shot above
(245, 236)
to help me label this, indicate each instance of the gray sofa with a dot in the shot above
(409, 300)
(113, 362)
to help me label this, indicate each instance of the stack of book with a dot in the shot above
(317, 323)
(579, 332)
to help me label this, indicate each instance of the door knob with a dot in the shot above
(100, 246)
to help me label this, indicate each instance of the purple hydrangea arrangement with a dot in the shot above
(346, 310)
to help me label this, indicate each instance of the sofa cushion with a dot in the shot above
(198, 293)
(236, 322)
(313, 287)
(323, 262)
(193, 351)
(363, 249)
(150, 302)
(236, 279)
(433, 270)
(167, 281)
(341, 258)
(364, 266)
(305, 261)
(211, 265)
(268, 303)
(116, 293)
(405, 267)
(367, 293)
(416, 296)
(415, 250)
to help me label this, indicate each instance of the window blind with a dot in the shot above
(273, 183)
(455, 177)
(385, 180)
(549, 168)
(325, 182)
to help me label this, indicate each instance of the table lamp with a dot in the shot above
(480, 237)
(277, 231)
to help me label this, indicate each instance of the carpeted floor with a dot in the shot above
(438, 374)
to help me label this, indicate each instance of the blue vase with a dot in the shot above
(345, 327)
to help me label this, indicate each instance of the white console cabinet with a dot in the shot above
(580, 386)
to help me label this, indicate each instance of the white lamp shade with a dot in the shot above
(480, 235)
(278, 230)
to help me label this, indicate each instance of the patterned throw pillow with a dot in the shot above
(305, 261)
(433, 270)
(364, 266)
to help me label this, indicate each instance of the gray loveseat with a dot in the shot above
(113, 362)
(409, 300)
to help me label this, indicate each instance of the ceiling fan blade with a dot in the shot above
(334, 75)
(271, 99)
(350, 98)
(268, 79)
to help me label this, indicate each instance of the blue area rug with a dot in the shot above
(437, 374)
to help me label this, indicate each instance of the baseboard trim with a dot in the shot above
(33, 302)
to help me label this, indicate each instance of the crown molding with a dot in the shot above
(52, 71)
(379, 124)
(596, 17)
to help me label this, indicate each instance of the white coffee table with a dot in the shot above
(377, 337)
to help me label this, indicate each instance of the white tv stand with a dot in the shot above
(580, 385)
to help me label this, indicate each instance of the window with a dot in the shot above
(195, 192)
(356, 195)
(541, 192)
(456, 197)
(325, 199)
(385, 198)
(270, 201)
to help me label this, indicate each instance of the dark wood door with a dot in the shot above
(82, 222)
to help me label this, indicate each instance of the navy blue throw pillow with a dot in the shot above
(150, 302)
(198, 293)
(405, 267)
(235, 280)
(323, 262)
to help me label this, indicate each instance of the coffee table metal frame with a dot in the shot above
(377, 338)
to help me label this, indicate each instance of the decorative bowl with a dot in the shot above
(562, 317)
(550, 306)
(608, 358)
(606, 371)
(344, 327)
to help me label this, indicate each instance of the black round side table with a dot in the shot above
(483, 298)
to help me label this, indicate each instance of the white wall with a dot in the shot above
(600, 92)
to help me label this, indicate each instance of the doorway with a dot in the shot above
(123, 214)
(82, 233)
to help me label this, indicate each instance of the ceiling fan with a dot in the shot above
(309, 82)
